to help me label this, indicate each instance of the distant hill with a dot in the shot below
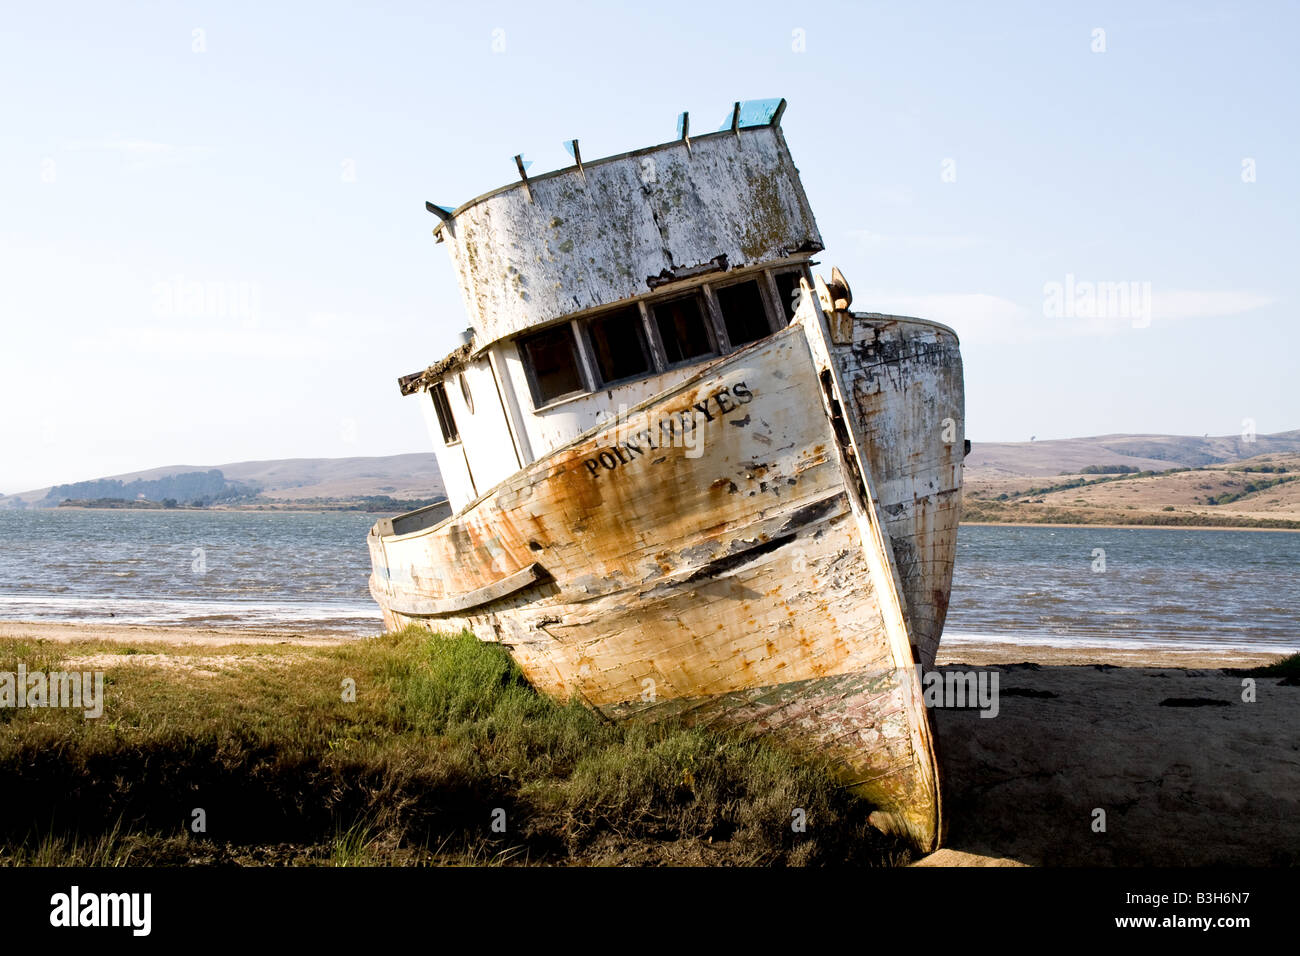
(1259, 492)
(206, 487)
(413, 476)
(992, 460)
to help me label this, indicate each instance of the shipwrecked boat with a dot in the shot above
(683, 479)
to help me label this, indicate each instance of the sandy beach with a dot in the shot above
(1185, 770)
(138, 634)
(1187, 773)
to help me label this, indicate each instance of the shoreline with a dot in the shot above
(976, 653)
(1000, 653)
(1144, 527)
(66, 632)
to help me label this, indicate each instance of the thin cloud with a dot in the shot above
(1178, 305)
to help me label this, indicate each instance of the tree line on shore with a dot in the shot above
(193, 488)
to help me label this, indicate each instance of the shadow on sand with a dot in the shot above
(1186, 771)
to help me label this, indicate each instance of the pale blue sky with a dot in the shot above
(132, 165)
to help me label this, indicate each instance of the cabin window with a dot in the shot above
(682, 329)
(446, 421)
(552, 361)
(743, 312)
(787, 290)
(618, 345)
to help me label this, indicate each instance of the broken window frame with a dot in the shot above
(760, 281)
(706, 313)
(647, 349)
(582, 360)
(715, 328)
(442, 410)
(774, 290)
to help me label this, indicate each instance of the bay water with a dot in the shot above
(297, 571)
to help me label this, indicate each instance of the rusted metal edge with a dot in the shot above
(488, 593)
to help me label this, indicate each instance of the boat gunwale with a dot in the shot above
(907, 318)
(467, 601)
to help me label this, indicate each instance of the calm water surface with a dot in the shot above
(1182, 586)
(211, 568)
(296, 570)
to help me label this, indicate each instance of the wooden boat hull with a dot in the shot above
(716, 554)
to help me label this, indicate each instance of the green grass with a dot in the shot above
(444, 737)
(356, 846)
(1251, 488)
(109, 848)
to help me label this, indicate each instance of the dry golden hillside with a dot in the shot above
(1263, 491)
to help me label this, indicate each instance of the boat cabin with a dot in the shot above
(594, 287)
